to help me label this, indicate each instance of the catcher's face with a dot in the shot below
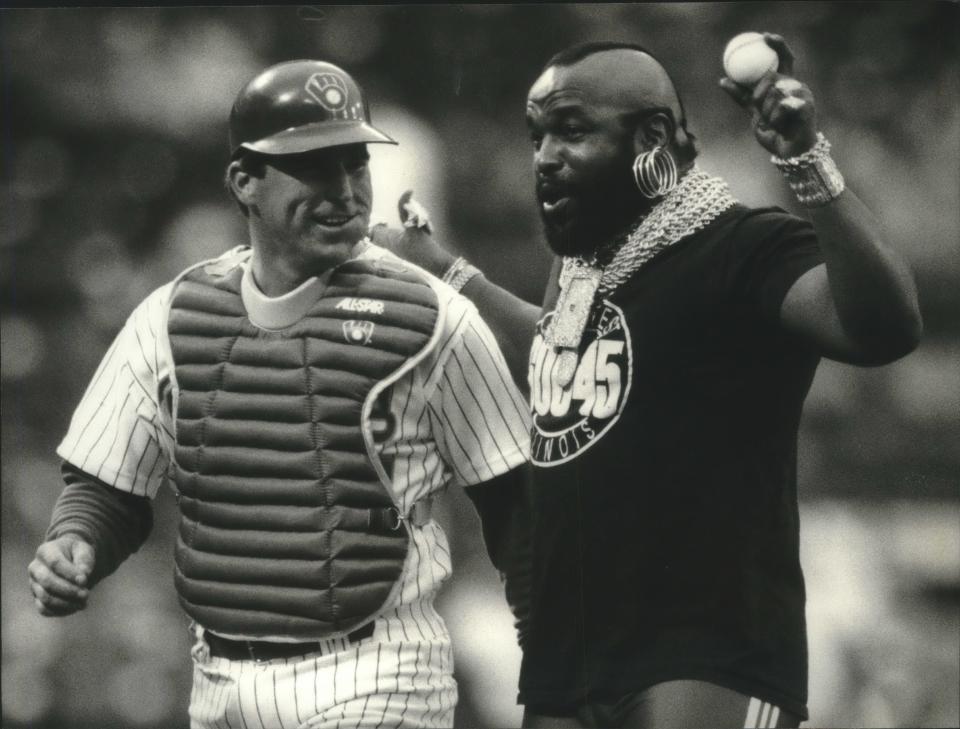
(583, 151)
(310, 209)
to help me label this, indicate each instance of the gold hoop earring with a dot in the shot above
(655, 173)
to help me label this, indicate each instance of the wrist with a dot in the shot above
(441, 263)
(71, 532)
(803, 145)
(813, 175)
(459, 273)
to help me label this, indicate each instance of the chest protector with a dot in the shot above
(287, 530)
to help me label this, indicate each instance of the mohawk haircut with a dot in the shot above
(576, 53)
(572, 54)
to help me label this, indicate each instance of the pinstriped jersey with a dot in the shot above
(456, 418)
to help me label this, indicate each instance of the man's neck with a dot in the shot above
(276, 275)
(276, 280)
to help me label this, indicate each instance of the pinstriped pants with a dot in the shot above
(401, 676)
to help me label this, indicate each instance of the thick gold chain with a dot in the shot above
(689, 207)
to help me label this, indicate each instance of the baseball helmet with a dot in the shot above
(299, 106)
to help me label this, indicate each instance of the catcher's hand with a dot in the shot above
(60, 574)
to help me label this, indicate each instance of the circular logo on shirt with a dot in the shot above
(569, 417)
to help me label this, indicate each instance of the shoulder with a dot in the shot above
(454, 307)
(744, 234)
(747, 225)
(151, 311)
(221, 265)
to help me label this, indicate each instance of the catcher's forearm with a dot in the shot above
(115, 523)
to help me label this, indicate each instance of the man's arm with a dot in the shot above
(861, 305)
(482, 431)
(511, 319)
(93, 529)
(98, 521)
(503, 504)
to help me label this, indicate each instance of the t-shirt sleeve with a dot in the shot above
(482, 420)
(771, 250)
(117, 433)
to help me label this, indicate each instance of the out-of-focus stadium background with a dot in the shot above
(114, 142)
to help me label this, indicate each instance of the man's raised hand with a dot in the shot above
(784, 115)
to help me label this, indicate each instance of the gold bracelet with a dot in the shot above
(459, 273)
(813, 176)
(457, 264)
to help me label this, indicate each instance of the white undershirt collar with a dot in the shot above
(280, 312)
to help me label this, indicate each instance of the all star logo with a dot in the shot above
(568, 419)
(361, 306)
(328, 90)
(358, 332)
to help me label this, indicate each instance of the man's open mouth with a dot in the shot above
(554, 200)
(333, 221)
(556, 207)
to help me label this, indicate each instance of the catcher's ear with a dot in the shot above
(242, 183)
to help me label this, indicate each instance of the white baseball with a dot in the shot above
(747, 57)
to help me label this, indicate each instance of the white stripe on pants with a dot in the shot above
(761, 714)
(392, 679)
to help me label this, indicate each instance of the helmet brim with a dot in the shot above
(318, 136)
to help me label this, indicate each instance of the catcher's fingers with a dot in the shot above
(738, 93)
(777, 43)
(50, 605)
(84, 560)
(54, 584)
(68, 556)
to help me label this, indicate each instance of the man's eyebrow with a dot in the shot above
(532, 111)
(568, 108)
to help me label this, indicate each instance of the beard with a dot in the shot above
(588, 216)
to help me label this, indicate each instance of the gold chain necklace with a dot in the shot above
(689, 207)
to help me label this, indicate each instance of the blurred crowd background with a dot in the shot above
(114, 144)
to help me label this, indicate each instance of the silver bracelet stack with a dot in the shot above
(813, 176)
(459, 273)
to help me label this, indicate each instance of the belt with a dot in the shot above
(264, 650)
(420, 513)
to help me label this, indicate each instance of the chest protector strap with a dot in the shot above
(287, 530)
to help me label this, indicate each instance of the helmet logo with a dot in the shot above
(328, 90)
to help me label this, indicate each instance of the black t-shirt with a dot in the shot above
(666, 538)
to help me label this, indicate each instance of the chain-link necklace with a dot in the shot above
(690, 206)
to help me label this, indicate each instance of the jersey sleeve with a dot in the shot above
(772, 249)
(117, 433)
(481, 419)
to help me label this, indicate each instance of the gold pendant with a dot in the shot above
(566, 367)
(579, 282)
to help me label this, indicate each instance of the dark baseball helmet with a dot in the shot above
(298, 106)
